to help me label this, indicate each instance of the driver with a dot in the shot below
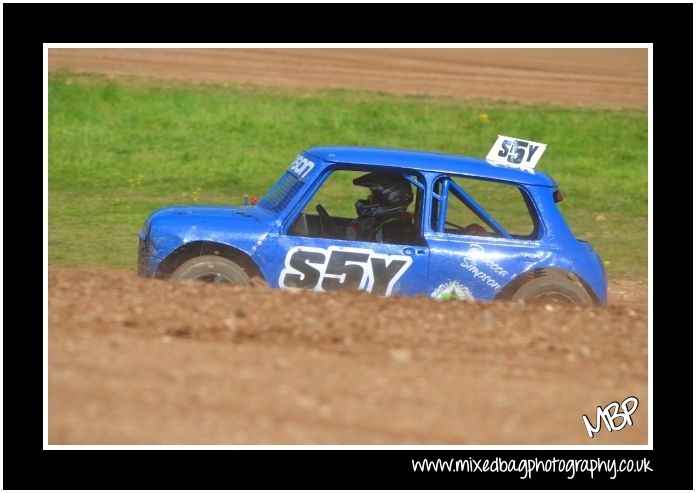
(382, 217)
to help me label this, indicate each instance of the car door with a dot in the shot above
(308, 260)
(476, 260)
(322, 264)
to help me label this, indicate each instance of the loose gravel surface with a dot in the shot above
(614, 78)
(147, 361)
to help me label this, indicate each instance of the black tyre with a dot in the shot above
(553, 289)
(211, 268)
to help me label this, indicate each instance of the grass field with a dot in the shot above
(119, 148)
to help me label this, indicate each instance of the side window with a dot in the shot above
(332, 211)
(503, 203)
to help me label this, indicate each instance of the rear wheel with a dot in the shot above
(211, 268)
(553, 289)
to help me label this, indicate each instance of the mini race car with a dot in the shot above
(478, 229)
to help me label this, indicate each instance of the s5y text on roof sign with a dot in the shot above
(518, 153)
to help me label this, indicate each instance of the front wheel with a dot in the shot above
(553, 289)
(211, 268)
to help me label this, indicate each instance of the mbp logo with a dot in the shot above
(610, 414)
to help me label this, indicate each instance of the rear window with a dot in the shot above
(281, 193)
(507, 204)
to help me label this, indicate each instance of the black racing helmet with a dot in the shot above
(390, 194)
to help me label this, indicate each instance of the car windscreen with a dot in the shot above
(281, 193)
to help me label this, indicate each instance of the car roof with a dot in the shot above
(429, 161)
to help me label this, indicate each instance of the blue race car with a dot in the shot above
(438, 225)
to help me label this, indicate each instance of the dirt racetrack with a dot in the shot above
(145, 361)
(573, 77)
(134, 361)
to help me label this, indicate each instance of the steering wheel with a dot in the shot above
(328, 228)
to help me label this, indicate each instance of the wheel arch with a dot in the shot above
(195, 249)
(510, 288)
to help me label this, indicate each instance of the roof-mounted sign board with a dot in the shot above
(518, 153)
